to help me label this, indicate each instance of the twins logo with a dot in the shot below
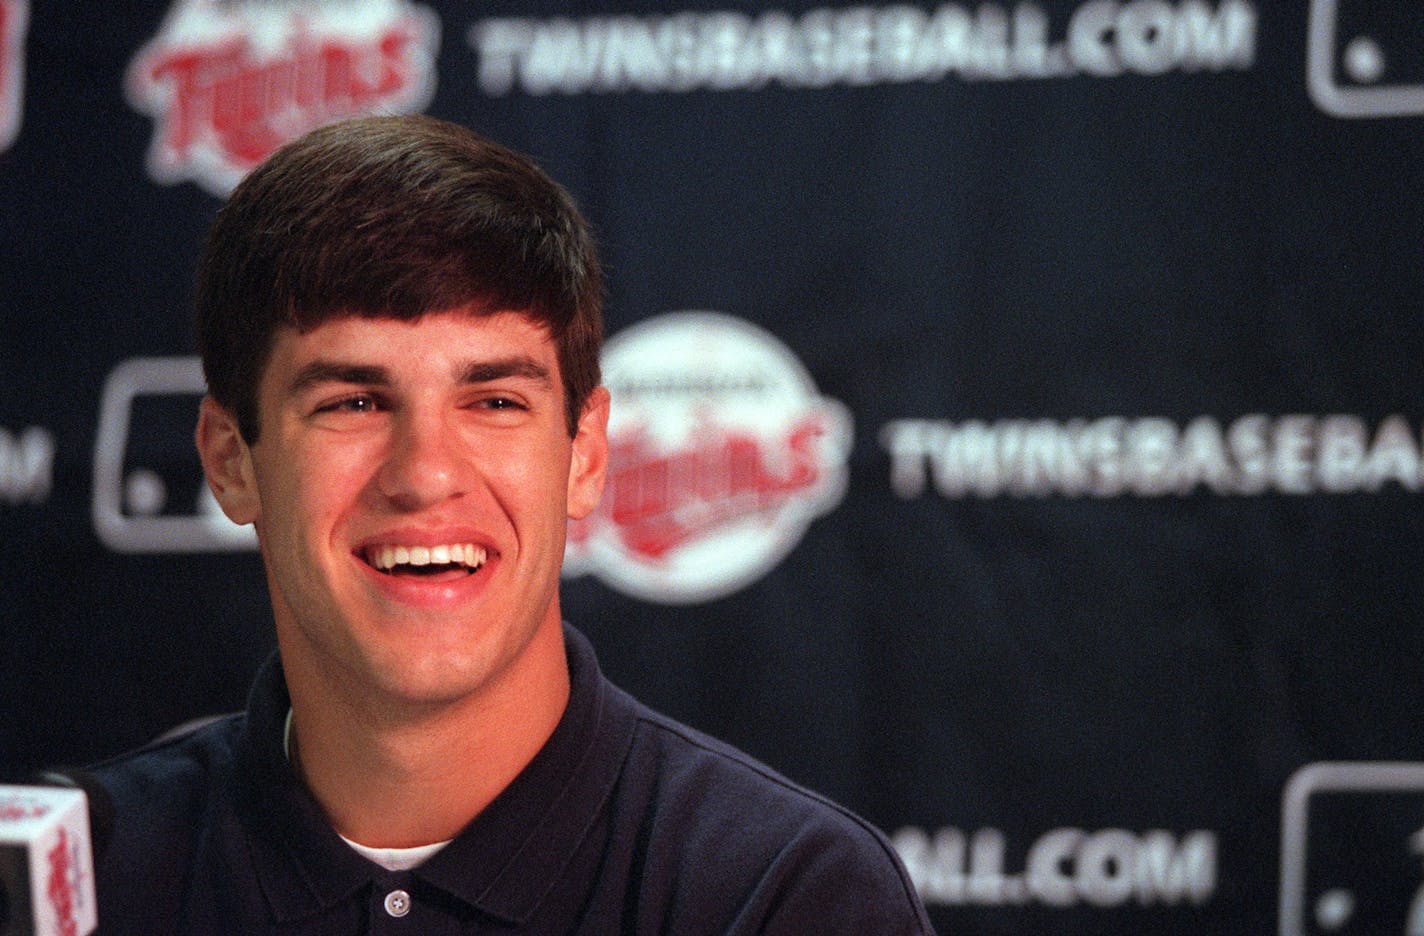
(14, 17)
(60, 886)
(227, 82)
(721, 455)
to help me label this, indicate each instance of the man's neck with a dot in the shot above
(416, 779)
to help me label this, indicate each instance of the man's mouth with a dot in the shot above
(463, 558)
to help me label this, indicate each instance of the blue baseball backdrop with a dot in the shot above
(1017, 409)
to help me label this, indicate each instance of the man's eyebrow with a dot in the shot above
(519, 366)
(320, 372)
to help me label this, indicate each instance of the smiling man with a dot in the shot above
(400, 324)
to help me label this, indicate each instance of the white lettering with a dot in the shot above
(1247, 441)
(986, 883)
(1090, 34)
(500, 42)
(1203, 457)
(1152, 445)
(1050, 872)
(1340, 453)
(1216, 42)
(857, 46)
(1170, 873)
(1393, 457)
(1147, 37)
(631, 58)
(556, 58)
(1291, 444)
(1152, 37)
(935, 866)
(946, 43)
(899, 29)
(905, 440)
(1152, 456)
(1106, 437)
(1032, 54)
(721, 57)
(1106, 862)
(1063, 868)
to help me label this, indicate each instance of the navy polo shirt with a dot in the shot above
(625, 822)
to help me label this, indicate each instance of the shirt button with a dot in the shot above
(397, 903)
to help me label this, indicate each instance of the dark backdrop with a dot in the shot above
(1039, 474)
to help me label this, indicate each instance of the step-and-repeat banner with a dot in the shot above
(1017, 427)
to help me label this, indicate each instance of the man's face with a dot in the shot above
(410, 488)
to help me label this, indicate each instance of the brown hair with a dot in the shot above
(393, 217)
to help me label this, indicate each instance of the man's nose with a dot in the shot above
(422, 465)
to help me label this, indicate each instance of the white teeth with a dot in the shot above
(387, 557)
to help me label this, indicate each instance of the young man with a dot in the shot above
(400, 324)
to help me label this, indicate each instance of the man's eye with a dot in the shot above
(353, 404)
(501, 403)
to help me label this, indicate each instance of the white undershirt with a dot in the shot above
(392, 859)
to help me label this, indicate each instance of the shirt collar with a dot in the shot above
(301, 864)
(511, 855)
(392, 859)
(503, 863)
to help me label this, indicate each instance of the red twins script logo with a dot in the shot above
(14, 16)
(229, 82)
(59, 887)
(721, 455)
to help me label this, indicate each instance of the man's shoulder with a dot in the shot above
(725, 818)
(692, 762)
(162, 790)
(184, 759)
(177, 847)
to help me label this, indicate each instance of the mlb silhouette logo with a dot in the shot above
(1352, 850)
(1366, 57)
(149, 494)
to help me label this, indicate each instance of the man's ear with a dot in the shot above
(589, 463)
(227, 463)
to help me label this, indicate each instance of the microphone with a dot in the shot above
(49, 836)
